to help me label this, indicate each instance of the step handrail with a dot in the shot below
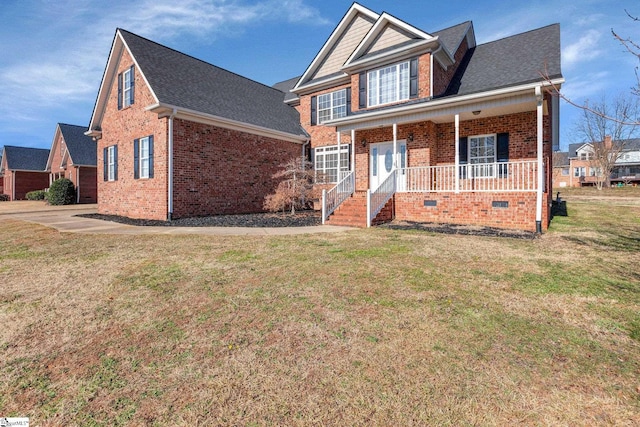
(335, 196)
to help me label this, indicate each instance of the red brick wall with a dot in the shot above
(134, 198)
(88, 184)
(223, 171)
(470, 209)
(442, 77)
(29, 181)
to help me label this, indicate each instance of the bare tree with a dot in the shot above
(608, 138)
(295, 189)
(633, 48)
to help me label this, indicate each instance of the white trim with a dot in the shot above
(540, 134)
(170, 166)
(53, 144)
(353, 11)
(163, 110)
(456, 122)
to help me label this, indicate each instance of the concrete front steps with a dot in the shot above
(353, 212)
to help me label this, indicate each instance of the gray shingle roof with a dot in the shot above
(560, 159)
(508, 62)
(452, 36)
(629, 145)
(82, 148)
(286, 87)
(26, 159)
(183, 81)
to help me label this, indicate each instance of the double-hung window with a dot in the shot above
(143, 157)
(579, 171)
(126, 82)
(388, 84)
(329, 162)
(110, 161)
(482, 155)
(332, 105)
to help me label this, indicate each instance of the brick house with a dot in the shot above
(178, 137)
(431, 126)
(73, 156)
(578, 169)
(23, 170)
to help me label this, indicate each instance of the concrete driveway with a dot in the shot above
(64, 219)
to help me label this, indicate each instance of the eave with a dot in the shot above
(166, 110)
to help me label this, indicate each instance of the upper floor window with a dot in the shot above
(332, 105)
(586, 156)
(388, 84)
(126, 83)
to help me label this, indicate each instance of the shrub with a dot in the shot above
(4, 197)
(61, 192)
(36, 195)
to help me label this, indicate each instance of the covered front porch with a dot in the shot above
(485, 164)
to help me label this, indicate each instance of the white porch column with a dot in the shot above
(457, 159)
(339, 138)
(539, 193)
(395, 145)
(353, 150)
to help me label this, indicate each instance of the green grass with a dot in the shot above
(367, 327)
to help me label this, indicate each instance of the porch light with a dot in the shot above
(476, 112)
(364, 142)
(410, 137)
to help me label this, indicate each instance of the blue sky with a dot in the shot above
(53, 52)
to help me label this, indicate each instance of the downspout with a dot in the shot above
(539, 194)
(77, 184)
(13, 185)
(170, 178)
(457, 155)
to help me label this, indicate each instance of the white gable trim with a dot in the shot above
(333, 38)
(110, 74)
(383, 21)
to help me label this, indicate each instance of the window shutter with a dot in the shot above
(133, 83)
(310, 156)
(362, 90)
(348, 100)
(136, 158)
(115, 162)
(413, 78)
(503, 147)
(314, 107)
(150, 156)
(349, 158)
(502, 152)
(120, 91)
(463, 155)
(105, 163)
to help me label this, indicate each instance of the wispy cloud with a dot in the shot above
(587, 86)
(582, 50)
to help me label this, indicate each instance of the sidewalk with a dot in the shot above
(63, 219)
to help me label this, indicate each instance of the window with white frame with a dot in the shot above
(327, 164)
(482, 155)
(332, 105)
(144, 157)
(579, 171)
(388, 84)
(111, 163)
(127, 77)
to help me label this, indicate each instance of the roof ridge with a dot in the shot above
(453, 26)
(193, 57)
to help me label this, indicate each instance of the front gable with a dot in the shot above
(326, 68)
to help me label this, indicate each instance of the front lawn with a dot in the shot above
(366, 327)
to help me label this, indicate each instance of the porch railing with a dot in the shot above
(378, 198)
(332, 198)
(512, 176)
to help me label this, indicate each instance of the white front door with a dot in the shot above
(381, 163)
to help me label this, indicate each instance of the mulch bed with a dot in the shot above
(300, 219)
(468, 230)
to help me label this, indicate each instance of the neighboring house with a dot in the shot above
(561, 169)
(23, 170)
(73, 156)
(579, 169)
(431, 126)
(179, 137)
